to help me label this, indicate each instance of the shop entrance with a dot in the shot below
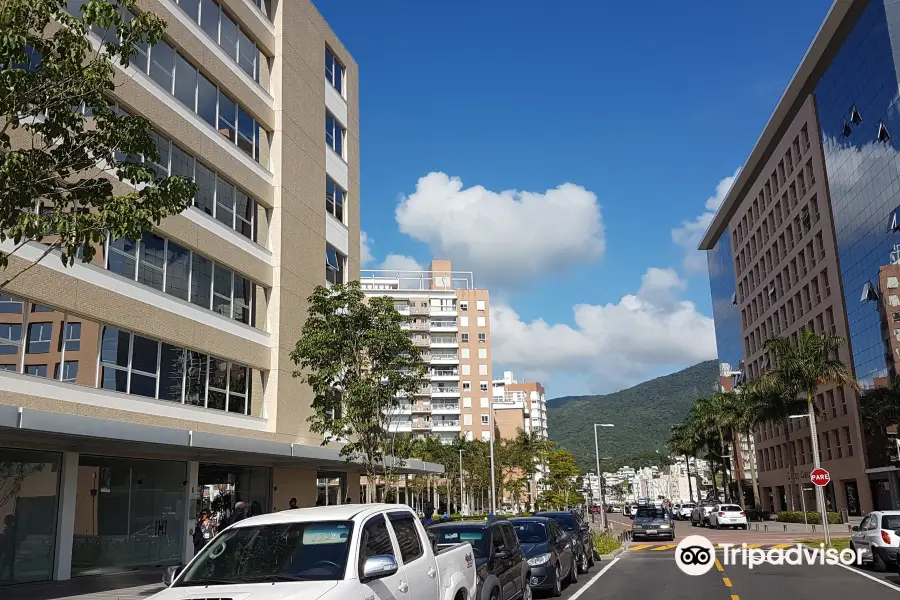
(331, 488)
(222, 486)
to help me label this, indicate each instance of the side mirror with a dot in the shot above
(854, 528)
(376, 567)
(170, 574)
(502, 554)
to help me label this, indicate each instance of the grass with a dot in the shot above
(605, 543)
(840, 543)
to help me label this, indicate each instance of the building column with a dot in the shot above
(191, 495)
(354, 488)
(65, 518)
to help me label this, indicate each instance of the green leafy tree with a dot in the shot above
(562, 490)
(60, 138)
(359, 362)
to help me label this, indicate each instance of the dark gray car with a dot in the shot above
(653, 522)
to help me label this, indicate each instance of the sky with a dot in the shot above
(570, 154)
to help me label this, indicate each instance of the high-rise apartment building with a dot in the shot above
(807, 237)
(449, 319)
(519, 406)
(157, 380)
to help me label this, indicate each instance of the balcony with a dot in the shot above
(423, 391)
(403, 309)
(443, 325)
(444, 341)
(450, 425)
(414, 309)
(399, 426)
(445, 408)
(422, 342)
(444, 359)
(419, 325)
(419, 407)
(445, 392)
(443, 311)
(421, 425)
(445, 375)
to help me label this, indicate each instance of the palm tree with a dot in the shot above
(714, 416)
(800, 367)
(746, 423)
(683, 441)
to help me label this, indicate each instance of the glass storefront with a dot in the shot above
(331, 488)
(222, 486)
(29, 499)
(128, 514)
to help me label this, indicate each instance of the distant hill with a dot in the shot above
(643, 416)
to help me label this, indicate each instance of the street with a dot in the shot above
(648, 570)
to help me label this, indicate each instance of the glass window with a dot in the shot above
(228, 35)
(195, 378)
(122, 257)
(39, 335)
(185, 82)
(201, 280)
(376, 540)
(182, 163)
(36, 370)
(225, 202)
(248, 55)
(10, 338)
(162, 65)
(206, 192)
(243, 299)
(209, 18)
(227, 117)
(334, 134)
(334, 266)
(334, 71)
(161, 164)
(218, 383)
(222, 291)
(334, 199)
(171, 372)
(407, 536)
(10, 305)
(244, 207)
(207, 99)
(245, 132)
(153, 257)
(72, 342)
(178, 266)
(237, 390)
(69, 371)
(145, 354)
(191, 7)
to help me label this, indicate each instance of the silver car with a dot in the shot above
(653, 522)
(876, 538)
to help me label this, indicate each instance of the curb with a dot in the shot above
(615, 552)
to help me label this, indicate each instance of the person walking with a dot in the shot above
(292, 504)
(204, 531)
(8, 541)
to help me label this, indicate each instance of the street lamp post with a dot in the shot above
(820, 492)
(603, 522)
(461, 492)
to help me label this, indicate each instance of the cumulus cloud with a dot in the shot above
(690, 233)
(503, 236)
(365, 250)
(616, 345)
(399, 262)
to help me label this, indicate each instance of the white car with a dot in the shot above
(683, 511)
(876, 538)
(343, 552)
(727, 515)
(700, 514)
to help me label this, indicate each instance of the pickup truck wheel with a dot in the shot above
(556, 592)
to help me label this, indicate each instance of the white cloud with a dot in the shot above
(615, 345)
(691, 232)
(365, 251)
(503, 236)
(399, 262)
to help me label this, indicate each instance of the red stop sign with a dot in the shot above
(820, 477)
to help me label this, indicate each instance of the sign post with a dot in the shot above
(820, 477)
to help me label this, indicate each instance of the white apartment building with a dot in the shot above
(449, 319)
(526, 403)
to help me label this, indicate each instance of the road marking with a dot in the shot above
(594, 579)
(641, 547)
(726, 581)
(782, 546)
(867, 576)
(719, 566)
(754, 545)
(666, 547)
(735, 597)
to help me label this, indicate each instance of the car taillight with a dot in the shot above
(721, 514)
(885, 536)
(742, 513)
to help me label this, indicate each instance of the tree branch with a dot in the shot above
(49, 249)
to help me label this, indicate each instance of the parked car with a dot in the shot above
(727, 515)
(615, 508)
(876, 535)
(700, 514)
(378, 551)
(502, 569)
(633, 511)
(683, 512)
(653, 522)
(549, 551)
(580, 532)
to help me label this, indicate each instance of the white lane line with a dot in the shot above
(872, 577)
(594, 579)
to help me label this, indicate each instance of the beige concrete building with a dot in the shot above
(156, 380)
(449, 318)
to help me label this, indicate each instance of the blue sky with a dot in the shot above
(647, 106)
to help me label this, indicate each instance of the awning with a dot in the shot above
(77, 433)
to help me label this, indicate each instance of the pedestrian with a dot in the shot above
(239, 513)
(349, 500)
(255, 509)
(8, 540)
(203, 532)
(292, 504)
(320, 502)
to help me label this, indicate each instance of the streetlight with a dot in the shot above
(461, 492)
(597, 452)
(820, 493)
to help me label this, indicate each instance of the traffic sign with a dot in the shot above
(820, 477)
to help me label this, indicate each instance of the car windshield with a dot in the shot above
(730, 508)
(565, 520)
(651, 513)
(268, 553)
(891, 522)
(476, 536)
(530, 532)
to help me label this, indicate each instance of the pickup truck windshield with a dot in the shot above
(267, 553)
(477, 537)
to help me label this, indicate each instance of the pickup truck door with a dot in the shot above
(375, 540)
(417, 555)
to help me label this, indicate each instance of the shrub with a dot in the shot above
(605, 543)
(760, 515)
(812, 517)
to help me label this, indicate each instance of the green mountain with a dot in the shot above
(643, 416)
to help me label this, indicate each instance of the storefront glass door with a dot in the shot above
(128, 514)
(331, 488)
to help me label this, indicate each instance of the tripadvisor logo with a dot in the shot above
(696, 555)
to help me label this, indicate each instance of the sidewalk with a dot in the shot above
(137, 585)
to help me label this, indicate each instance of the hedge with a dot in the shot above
(813, 517)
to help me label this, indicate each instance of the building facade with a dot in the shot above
(156, 380)
(807, 237)
(449, 319)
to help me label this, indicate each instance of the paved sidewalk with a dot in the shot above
(138, 585)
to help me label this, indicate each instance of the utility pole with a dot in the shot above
(461, 492)
(493, 482)
(603, 522)
(820, 491)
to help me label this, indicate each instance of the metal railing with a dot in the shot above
(384, 279)
(454, 406)
(439, 356)
(443, 324)
(445, 390)
(444, 339)
(420, 424)
(444, 424)
(445, 373)
(419, 408)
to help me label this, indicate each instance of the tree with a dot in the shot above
(684, 441)
(799, 368)
(880, 406)
(54, 160)
(359, 362)
(563, 471)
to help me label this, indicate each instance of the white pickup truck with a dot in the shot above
(359, 552)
